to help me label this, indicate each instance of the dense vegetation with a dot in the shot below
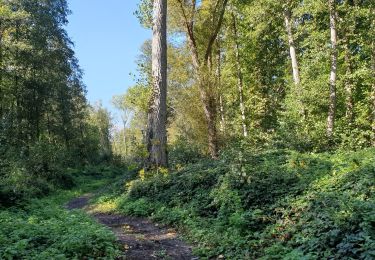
(43, 229)
(277, 204)
(267, 76)
(46, 123)
(46, 129)
(263, 121)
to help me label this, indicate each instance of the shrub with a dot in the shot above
(46, 231)
(276, 204)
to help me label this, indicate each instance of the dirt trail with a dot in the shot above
(140, 239)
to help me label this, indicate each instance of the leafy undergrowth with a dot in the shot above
(44, 229)
(266, 205)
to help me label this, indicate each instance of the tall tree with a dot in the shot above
(240, 84)
(348, 31)
(373, 76)
(293, 55)
(373, 93)
(208, 14)
(292, 47)
(333, 74)
(157, 118)
(219, 83)
(120, 104)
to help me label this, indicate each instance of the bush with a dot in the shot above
(182, 153)
(33, 172)
(276, 204)
(45, 231)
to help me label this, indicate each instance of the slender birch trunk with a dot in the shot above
(218, 75)
(349, 87)
(292, 48)
(333, 74)
(294, 59)
(373, 94)
(372, 97)
(239, 77)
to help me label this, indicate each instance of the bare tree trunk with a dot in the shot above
(157, 133)
(373, 76)
(207, 95)
(349, 86)
(222, 114)
(125, 146)
(373, 94)
(218, 76)
(210, 113)
(292, 48)
(239, 77)
(333, 75)
(202, 67)
(294, 59)
(1, 70)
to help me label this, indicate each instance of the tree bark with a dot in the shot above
(202, 69)
(292, 48)
(222, 114)
(218, 76)
(239, 77)
(294, 59)
(157, 118)
(1, 70)
(373, 94)
(333, 74)
(349, 86)
(207, 96)
(373, 76)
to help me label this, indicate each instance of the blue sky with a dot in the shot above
(107, 38)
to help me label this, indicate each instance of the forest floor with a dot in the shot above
(139, 238)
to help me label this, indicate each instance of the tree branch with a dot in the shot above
(216, 31)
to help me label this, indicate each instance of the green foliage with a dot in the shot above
(53, 233)
(277, 204)
(181, 152)
(101, 124)
(34, 174)
(144, 13)
(43, 229)
(45, 125)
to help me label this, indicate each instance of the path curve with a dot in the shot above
(140, 239)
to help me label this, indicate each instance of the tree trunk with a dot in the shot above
(209, 107)
(201, 65)
(373, 76)
(222, 114)
(218, 77)
(373, 94)
(125, 146)
(157, 133)
(292, 48)
(239, 77)
(349, 86)
(294, 59)
(1, 71)
(333, 74)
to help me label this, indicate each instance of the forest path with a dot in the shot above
(140, 239)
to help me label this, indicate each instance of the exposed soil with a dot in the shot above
(140, 239)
